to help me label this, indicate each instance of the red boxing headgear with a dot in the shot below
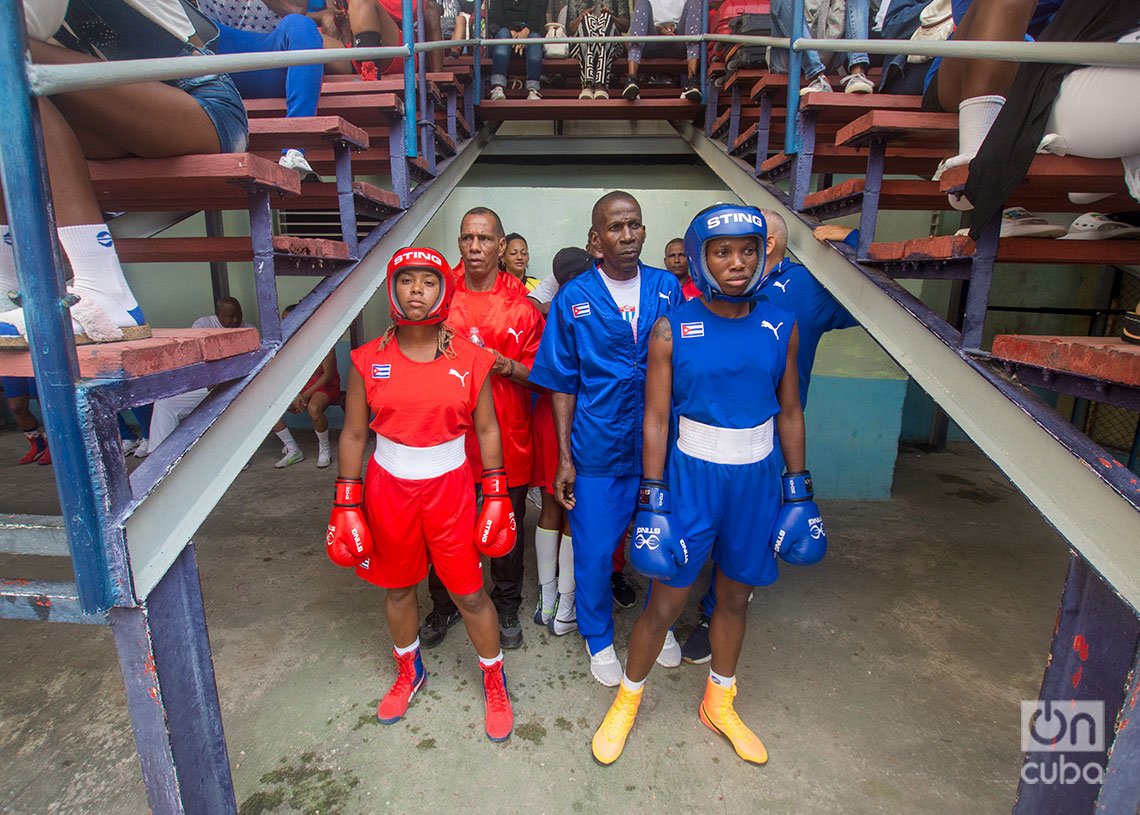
(425, 259)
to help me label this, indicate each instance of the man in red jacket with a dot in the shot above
(490, 309)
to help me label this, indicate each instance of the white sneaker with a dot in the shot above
(289, 458)
(670, 656)
(1092, 226)
(533, 96)
(324, 457)
(587, 92)
(817, 85)
(129, 445)
(857, 83)
(605, 666)
(1018, 222)
(295, 160)
(143, 449)
(565, 617)
(601, 93)
(498, 94)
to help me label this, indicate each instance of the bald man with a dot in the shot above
(593, 359)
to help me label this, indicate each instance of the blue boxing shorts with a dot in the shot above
(728, 511)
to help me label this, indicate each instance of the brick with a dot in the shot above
(1108, 358)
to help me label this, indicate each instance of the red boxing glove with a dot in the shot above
(348, 542)
(495, 531)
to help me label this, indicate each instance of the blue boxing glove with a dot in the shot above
(657, 549)
(799, 537)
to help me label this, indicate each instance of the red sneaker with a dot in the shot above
(45, 458)
(500, 719)
(38, 448)
(410, 677)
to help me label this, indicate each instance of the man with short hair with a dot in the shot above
(678, 264)
(170, 410)
(790, 286)
(593, 359)
(490, 309)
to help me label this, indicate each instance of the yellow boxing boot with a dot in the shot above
(717, 714)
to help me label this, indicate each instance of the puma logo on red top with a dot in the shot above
(461, 377)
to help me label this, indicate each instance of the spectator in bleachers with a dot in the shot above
(677, 262)
(299, 84)
(516, 260)
(516, 20)
(19, 391)
(376, 23)
(171, 410)
(317, 394)
(664, 17)
(148, 118)
(855, 25)
(596, 18)
(1061, 109)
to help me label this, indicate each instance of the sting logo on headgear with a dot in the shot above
(725, 221)
(422, 259)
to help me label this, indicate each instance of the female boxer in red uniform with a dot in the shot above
(425, 388)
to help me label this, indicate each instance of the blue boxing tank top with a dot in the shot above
(726, 372)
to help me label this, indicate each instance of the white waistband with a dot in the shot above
(722, 445)
(418, 463)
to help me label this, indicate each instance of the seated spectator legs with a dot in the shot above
(150, 119)
(299, 84)
(501, 55)
(168, 412)
(642, 25)
(810, 64)
(976, 88)
(19, 391)
(858, 28)
(595, 59)
(375, 25)
(322, 390)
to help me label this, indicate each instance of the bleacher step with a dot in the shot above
(1104, 358)
(168, 349)
(42, 535)
(223, 249)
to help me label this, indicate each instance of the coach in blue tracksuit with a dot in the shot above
(790, 286)
(593, 359)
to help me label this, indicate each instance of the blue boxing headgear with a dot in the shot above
(725, 221)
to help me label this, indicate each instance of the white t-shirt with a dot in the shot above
(627, 295)
(666, 11)
(545, 290)
(44, 17)
(212, 321)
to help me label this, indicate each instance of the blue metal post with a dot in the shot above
(409, 79)
(24, 169)
(705, 51)
(477, 66)
(421, 67)
(791, 133)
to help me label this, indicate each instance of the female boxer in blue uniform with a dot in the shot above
(723, 368)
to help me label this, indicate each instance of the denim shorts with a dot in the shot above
(219, 97)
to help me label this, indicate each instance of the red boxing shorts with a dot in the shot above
(331, 389)
(545, 445)
(414, 521)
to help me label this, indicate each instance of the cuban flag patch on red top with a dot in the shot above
(692, 330)
(580, 309)
(381, 371)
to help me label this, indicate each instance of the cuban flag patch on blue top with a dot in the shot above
(692, 330)
(381, 371)
(580, 309)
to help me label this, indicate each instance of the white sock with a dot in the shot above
(288, 440)
(630, 685)
(546, 550)
(487, 663)
(415, 646)
(322, 438)
(976, 116)
(95, 265)
(566, 608)
(723, 681)
(566, 566)
(8, 280)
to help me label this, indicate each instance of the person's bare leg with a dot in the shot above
(481, 620)
(665, 605)
(318, 404)
(989, 21)
(367, 15)
(729, 620)
(433, 30)
(402, 610)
